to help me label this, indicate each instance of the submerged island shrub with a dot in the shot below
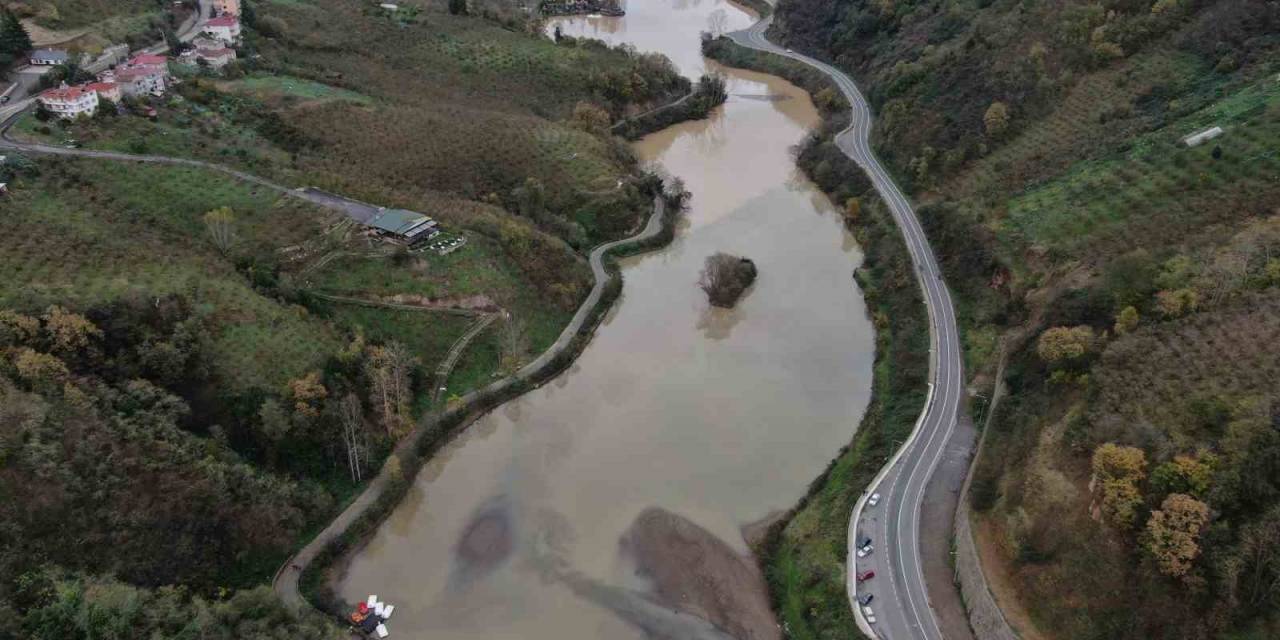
(726, 277)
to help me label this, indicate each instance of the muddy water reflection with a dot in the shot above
(719, 416)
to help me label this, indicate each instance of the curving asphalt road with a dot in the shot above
(901, 597)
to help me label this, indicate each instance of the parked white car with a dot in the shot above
(869, 615)
(865, 551)
(873, 500)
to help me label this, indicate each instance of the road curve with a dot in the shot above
(901, 601)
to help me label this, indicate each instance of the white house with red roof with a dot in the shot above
(105, 90)
(70, 102)
(224, 28)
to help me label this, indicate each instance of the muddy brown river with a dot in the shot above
(523, 526)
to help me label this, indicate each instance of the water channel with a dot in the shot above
(722, 417)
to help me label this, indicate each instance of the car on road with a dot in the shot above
(865, 551)
(869, 615)
(866, 575)
(865, 599)
(873, 500)
(864, 541)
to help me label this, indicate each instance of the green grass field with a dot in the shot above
(87, 232)
(184, 130)
(267, 87)
(1158, 188)
(73, 14)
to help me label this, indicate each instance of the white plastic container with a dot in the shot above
(382, 631)
(372, 601)
(386, 611)
(379, 608)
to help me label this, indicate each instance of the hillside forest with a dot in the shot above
(1122, 285)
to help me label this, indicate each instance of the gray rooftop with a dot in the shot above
(400, 222)
(49, 54)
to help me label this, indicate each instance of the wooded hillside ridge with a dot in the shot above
(1116, 266)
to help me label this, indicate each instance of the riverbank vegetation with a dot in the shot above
(706, 95)
(804, 555)
(1117, 269)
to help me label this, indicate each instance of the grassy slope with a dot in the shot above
(72, 14)
(87, 233)
(1065, 219)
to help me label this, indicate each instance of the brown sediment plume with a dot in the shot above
(695, 572)
(486, 542)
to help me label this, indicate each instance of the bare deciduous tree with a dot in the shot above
(221, 225)
(515, 344)
(717, 22)
(351, 415)
(388, 369)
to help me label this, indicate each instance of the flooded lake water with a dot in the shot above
(720, 416)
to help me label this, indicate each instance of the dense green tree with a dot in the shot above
(14, 40)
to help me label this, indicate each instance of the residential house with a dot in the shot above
(140, 81)
(158, 63)
(49, 57)
(224, 28)
(214, 58)
(105, 90)
(227, 7)
(69, 102)
(203, 42)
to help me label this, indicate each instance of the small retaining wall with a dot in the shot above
(985, 617)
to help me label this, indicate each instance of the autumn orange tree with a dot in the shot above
(1172, 535)
(1118, 470)
(1064, 343)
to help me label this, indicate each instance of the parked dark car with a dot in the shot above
(865, 599)
(864, 541)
